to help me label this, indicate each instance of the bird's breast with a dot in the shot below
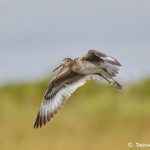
(85, 67)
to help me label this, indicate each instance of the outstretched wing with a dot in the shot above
(109, 66)
(93, 55)
(59, 90)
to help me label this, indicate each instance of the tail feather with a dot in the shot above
(112, 70)
(109, 70)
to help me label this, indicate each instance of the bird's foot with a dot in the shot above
(117, 85)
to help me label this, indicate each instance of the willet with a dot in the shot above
(73, 74)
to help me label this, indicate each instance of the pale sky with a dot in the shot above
(36, 35)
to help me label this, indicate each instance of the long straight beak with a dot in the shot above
(57, 68)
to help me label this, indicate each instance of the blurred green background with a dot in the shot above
(97, 116)
(35, 35)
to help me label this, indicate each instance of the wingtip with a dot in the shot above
(42, 120)
(37, 121)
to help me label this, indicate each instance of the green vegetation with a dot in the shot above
(96, 117)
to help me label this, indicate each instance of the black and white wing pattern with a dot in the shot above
(59, 90)
(109, 66)
(93, 55)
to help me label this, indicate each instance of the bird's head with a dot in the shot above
(65, 63)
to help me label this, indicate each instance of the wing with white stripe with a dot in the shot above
(59, 91)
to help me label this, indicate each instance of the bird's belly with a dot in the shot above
(89, 68)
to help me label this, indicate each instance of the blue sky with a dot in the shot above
(36, 35)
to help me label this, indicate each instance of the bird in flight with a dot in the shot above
(73, 74)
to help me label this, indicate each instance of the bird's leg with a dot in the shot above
(105, 78)
(114, 83)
